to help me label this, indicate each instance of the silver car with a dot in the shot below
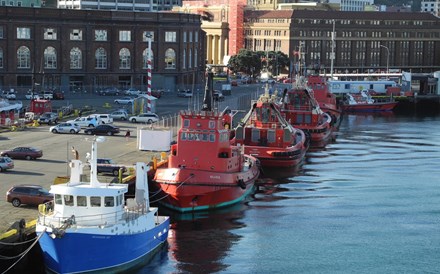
(119, 114)
(6, 163)
(65, 128)
(145, 118)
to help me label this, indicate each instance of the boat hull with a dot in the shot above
(77, 252)
(188, 190)
(374, 107)
(275, 157)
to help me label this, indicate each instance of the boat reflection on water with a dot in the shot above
(199, 241)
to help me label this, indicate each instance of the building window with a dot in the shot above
(184, 37)
(195, 57)
(1, 32)
(196, 37)
(190, 59)
(145, 58)
(50, 58)
(101, 58)
(1, 58)
(76, 35)
(170, 36)
(23, 33)
(23, 57)
(170, 59)
(50, 34)
(75, 58)
(124, 59)
(124, 36)
(100, 35)
(184, 59)
(190, 36)
(145, 35)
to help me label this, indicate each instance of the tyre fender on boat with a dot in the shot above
(241, 183)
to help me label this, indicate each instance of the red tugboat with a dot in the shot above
(301, 110)
(204, 171)
(326, 99)
(265, 134)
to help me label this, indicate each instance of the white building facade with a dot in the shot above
(431, 6)
(123, 5)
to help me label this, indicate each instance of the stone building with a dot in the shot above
(90, 49)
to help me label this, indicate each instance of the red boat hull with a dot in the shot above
(274, 157)
(386, 106)
(188, 190)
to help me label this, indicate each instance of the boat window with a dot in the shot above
(211, 124)
(212, 137)
(58, 199)
(186, 123)
(95, 201)
(205, 137)
(68, 200)
(307, 118)
(299, 119)
(119, 200)
(183, 136)
(271, 136)
(255, 135)
(109, 201)
(81, 201)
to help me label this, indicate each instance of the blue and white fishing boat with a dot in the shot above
(91, 228)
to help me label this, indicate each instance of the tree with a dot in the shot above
(245, 61)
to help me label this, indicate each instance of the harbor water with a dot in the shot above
(367, 203)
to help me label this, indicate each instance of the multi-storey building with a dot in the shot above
(22, 3)
(432, 6)
(91, 49)
(364, 40)
(138, 5)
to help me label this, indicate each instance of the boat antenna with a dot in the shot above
(207, 99)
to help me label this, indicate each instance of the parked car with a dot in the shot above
(132, 91)
(48, 118)
(47, 94)
(6, 163)
(28, 195)
(145, 118)
(102, 130)
(31, 95)
(27, 153)
(9, 95)
(102, 118)
(109, 91)
(185, 93)
(65, 128)
(157, 93)
(218, 96)
(119, 114)
(124, 101)
(106, 165)
(85, 121)
(58, 96)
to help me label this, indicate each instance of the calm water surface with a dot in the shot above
(367, 203)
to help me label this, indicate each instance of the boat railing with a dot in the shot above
(49, 218)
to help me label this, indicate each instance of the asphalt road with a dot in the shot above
(57, 147)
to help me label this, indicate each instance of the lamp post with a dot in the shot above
(388, 57)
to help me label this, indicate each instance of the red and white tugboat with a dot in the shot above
(300, 109)
(326, 99)
(265, 134)
(204, 171)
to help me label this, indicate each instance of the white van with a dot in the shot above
(103, 118)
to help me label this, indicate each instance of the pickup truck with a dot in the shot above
(106, 165)
(48, 118)
(85, 121)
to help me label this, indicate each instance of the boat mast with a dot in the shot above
(207, 99)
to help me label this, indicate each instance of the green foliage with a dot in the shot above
(252, 63)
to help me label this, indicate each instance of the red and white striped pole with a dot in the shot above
(149, 36)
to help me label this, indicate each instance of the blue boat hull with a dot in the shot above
(79, 252)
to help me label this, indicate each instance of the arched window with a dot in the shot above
(124, 59)
(23, 57)
(190, 58)
(145, 58)
(1, 58)
(101, 58)
(75, 58)
(170, 59)
(184, 59)
(195, 57)
(50, 58)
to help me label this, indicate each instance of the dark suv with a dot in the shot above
(28, 195)
(109, 91)
(105, 165)
(48, 118)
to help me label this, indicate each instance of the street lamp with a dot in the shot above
(388, 57)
